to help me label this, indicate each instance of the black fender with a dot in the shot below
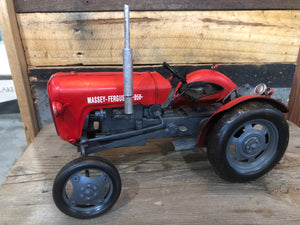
(202, 136)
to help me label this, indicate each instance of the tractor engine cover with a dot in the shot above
(73, 95)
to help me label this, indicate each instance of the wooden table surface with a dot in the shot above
(160, 186)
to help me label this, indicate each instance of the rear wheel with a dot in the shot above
(247, 142)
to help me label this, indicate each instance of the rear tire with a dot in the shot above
(247, 141)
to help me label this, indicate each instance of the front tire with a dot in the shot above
(86, 187)
(247, 141)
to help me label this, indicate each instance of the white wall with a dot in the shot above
(4, 66)
(7, 90)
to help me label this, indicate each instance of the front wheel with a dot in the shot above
(247, 142)
(86, 187)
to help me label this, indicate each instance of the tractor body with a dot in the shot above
(88, 108)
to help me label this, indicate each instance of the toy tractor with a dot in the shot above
(245, 136)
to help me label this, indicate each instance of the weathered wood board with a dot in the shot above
(145, 5)
(159, 187)
(294, 99)
(254, 37)
(18, 67)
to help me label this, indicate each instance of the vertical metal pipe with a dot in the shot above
(127, 66)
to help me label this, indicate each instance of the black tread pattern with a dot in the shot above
(219, 130)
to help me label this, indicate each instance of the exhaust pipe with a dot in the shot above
(127, 66)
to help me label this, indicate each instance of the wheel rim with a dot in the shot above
(252, 146)
(88, 191)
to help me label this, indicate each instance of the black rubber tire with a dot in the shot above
(81, 164)
(222, 130)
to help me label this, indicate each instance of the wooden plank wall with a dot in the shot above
(89, 33)
(156, 5)
(55, 39)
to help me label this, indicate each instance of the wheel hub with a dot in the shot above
(89, 191)
(252, 145)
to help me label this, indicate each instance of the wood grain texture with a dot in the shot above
(294, 100)
(145, 5)
(160, 186)
(177, 37)
(18, 67)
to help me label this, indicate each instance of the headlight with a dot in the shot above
(260, 89)
(57, 108)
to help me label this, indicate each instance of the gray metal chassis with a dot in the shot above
(173, 123)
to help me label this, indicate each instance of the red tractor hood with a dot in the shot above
(73, 95)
